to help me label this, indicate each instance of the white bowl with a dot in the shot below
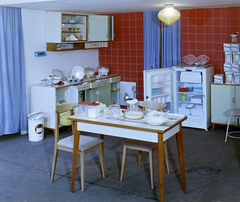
(156, 121)
(134, 115)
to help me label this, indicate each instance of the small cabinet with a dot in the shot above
(223, 97)
(66, 28)
(47, 98)
(99, 91)
(115, 89)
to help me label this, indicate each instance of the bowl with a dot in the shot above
(156, 121)
(72, 21)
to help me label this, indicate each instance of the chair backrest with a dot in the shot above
(61, 109)
(152, 105)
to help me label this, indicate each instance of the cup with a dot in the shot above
(83, 110)
(115, 111)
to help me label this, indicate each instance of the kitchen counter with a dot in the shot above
(85, 79)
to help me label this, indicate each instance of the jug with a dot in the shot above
(133, 111)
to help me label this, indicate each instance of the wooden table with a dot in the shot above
(137, 130)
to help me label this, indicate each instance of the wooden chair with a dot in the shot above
(145, 146)
(87, 143)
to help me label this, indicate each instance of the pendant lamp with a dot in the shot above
(168, 15)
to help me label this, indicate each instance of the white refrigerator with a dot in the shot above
(186, 89)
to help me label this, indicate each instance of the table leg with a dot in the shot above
(102, 137)
(160, 159)
(179, 138)
(75, 151)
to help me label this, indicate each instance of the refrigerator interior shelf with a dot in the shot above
(190, 93)
(161, 95)
(189, 102)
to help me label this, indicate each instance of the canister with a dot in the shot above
(234, 38)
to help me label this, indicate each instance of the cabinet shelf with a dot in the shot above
(74, 32)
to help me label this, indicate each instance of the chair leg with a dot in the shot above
(55, 154)
(139, 158)
(100, 149)
(228, 120)
(166, 156)
(82, 160)
(123, 161)
(151, 168)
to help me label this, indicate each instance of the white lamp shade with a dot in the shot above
(168, 15)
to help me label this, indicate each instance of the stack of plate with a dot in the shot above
(78, 72)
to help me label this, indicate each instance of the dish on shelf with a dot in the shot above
(189, 59)
(78, 72)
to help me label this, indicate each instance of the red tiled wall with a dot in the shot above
(203, 31)
(124, 55)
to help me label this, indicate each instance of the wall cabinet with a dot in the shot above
(74, 32)
(100, 28)
(65, 27)
(223, 97)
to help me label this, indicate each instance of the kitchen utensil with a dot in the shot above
(58, 73)
(183, 97)
(202, 60)
(78, 72)
(133, 111)
(83, 109)
(89, 72)
(189, 59)
(103, 70)
(234, 37)
(115, 111)
(156, 121)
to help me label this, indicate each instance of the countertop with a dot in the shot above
(95, 78)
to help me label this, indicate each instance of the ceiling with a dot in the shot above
(115, 6)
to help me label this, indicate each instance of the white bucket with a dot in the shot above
(36, 130)
(36, 126)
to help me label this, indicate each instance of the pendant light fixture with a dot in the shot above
(169, 14)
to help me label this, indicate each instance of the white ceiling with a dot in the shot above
(115, 6)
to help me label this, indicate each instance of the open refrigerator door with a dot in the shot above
(158, 86)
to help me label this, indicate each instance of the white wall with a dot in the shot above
(37, 68)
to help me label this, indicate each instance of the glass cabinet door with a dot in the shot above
(74, 28)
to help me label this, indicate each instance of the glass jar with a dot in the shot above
(133, 111)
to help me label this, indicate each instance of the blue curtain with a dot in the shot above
(151, 40)
(13, 109)
(171, 44)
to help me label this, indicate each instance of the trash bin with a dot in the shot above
(36, 126)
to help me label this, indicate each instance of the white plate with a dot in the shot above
(78, 72)
(136, 115)
(156, 121)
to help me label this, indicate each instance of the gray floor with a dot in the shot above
(212, 171)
